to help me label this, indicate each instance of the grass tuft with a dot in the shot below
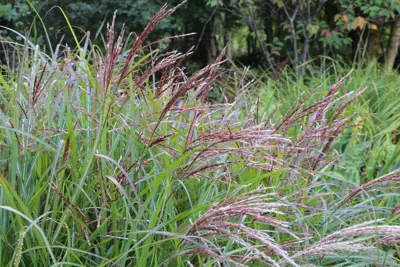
(120, 158)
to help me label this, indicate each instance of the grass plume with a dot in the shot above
(104, 166)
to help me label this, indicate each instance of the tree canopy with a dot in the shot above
(267, 33)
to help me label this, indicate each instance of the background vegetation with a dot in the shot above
(121, 146)
(269, 33)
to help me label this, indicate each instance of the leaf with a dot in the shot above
(279, 3)
(356, 23)
(312, 29)
(337, 16)
(362, 23)
(212, 3)
(328, 34)
(373, 27)
(359, 22)
(345, 18)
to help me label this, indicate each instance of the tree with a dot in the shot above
(393, 45)
(272, 32)
(373, 17)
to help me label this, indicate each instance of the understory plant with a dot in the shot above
(117, 158)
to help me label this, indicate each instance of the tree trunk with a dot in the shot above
(304, 54)
(228, 45)
(254, 45)
(393, 45)
(248, 41)
(228, 25)
(355, 41)
(331, 9)
(211, 41)
(373, 45)
(292, 27)
(268, 26)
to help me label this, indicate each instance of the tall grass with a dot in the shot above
(116, 158)
(370, 147)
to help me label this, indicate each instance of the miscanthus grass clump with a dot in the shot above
(117, 158)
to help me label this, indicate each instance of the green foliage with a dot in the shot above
(214, 3)
(16, 13)
(361, 13)
(16, 16)
(374, 10)
(260, 30)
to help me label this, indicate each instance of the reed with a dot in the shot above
(161, 175)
